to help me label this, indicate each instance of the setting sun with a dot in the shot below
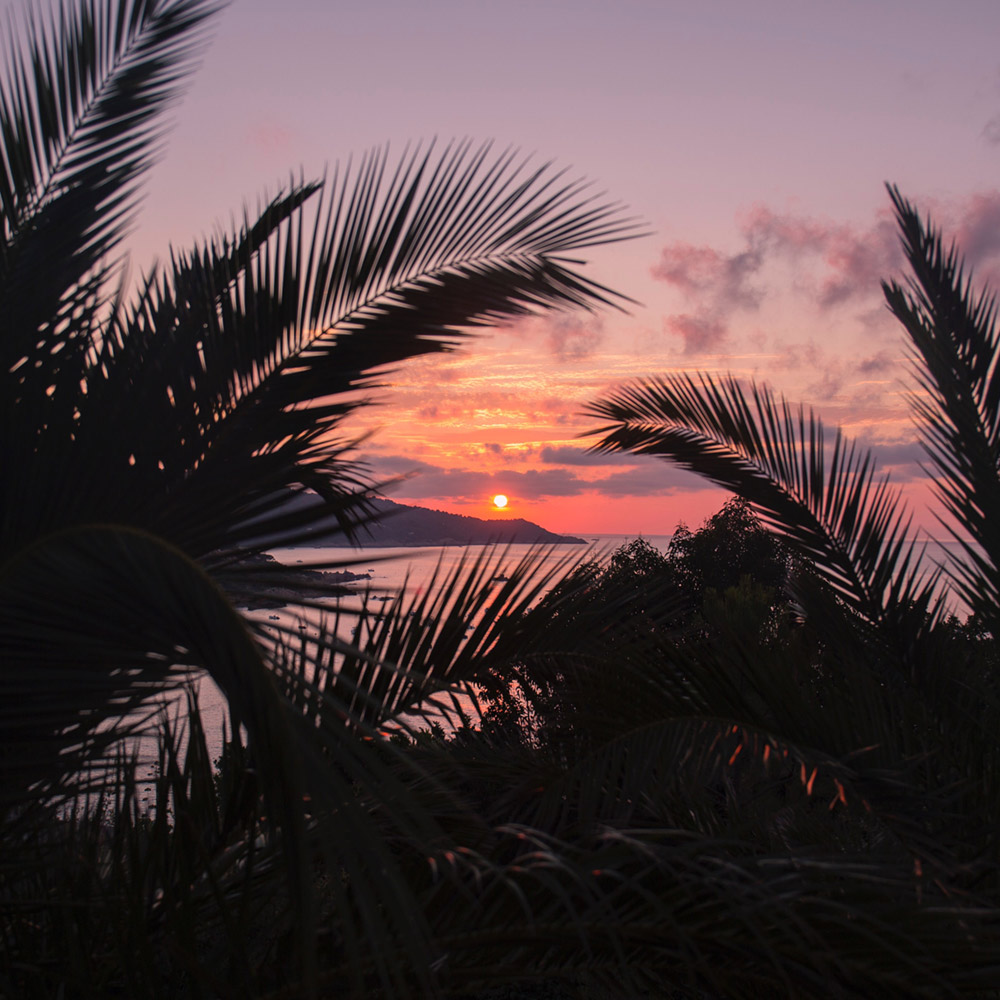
(499, 501)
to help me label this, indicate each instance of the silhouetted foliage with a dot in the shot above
(731, 545)
(150, 439)
(864, 726)
(723, 779)
(724, 579)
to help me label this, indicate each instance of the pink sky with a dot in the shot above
(754, 138)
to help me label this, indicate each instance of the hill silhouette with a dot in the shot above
(401, 525)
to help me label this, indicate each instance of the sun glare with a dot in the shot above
(499, 501)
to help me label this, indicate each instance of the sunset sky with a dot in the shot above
(754, 138)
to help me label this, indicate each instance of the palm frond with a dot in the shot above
(954, 330)
(191, 416)
(140, 613)
(142, 617)
(653, 910)
(848, 526)
(237, 368)
(80, 123)
(414, 659)
(159, 851)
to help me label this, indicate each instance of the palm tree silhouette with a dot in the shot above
(809, 818)
(151, 437)
(881, 704)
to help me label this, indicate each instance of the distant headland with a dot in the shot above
(398, 525)
(401, 525)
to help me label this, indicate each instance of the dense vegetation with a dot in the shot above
(761, 764)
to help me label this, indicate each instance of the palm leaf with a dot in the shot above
(657, 910)
(80, 123)
(245, 359)
(954, 331)
(159, 435)
(414, 656)
(850, 527)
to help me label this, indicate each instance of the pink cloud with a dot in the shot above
(863, 380)
(856, 261)
(706, 272)
(840, 264)
(573, 336)
(767, 232)
(568, 335)
(717, 285)
(978, 229)
(701, 334)
(878, 363)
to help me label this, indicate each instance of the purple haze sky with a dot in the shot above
(753, 137)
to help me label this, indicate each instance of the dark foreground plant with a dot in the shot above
(869, 730)
(150, 440)
(745, 817)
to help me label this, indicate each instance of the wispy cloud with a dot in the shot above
(902, 460)
(877, 364)
(991, 130)
(573, 335)
(977, 229)
(568, 455)
(827, 372)
(655, 478)
(702, 334)
(569, 336)
(704, 271)
(641, 476)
